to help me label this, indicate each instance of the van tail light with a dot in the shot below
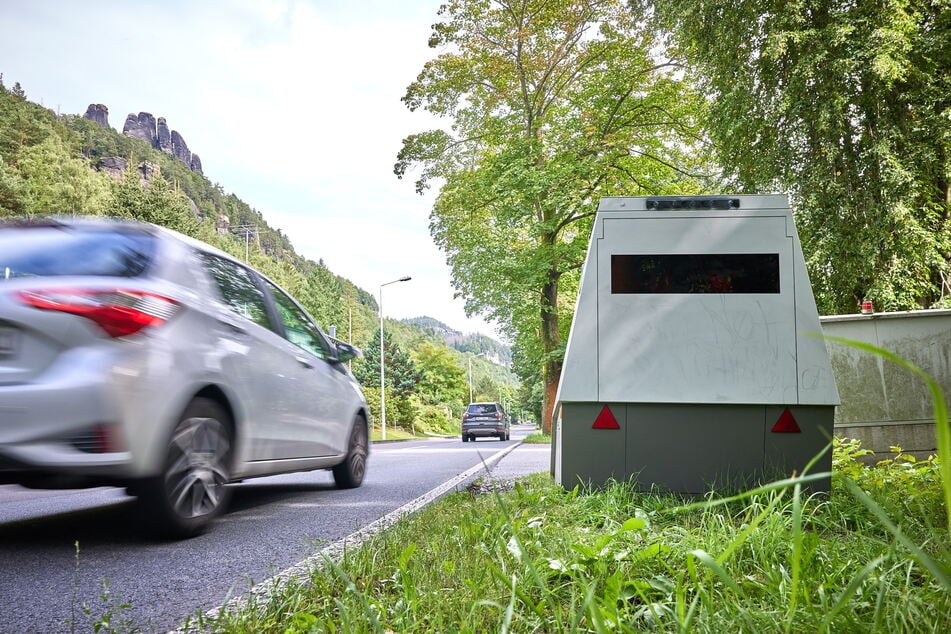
(498, 415)
(119, 312)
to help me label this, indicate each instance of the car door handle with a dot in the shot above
(304, 361)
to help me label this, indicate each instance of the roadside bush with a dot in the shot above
(904, 487)
(402, 411)
(436, 420)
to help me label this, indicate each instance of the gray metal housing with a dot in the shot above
(695, 381)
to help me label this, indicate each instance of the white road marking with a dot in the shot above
(299, 573)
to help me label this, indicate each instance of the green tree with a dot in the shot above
(154, 201)
(443, 378)
(22, 124)
(14, 199)
(400, 373)
(846, 105)
(553, 104)
(57, 182)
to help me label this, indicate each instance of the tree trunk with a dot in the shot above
(551, 341)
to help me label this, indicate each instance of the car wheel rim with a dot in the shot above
(197, 467)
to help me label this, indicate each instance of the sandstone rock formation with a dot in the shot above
(98, 113)
(155, 131)
(114, 166)
(141, 127)
(163, 136)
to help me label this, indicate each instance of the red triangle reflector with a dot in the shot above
(786, 424)
(605, 420)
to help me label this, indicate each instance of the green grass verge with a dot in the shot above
(392, 433)
(543, 559)
(537, 439)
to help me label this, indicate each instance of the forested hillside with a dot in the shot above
(474, 343)
(48, 167)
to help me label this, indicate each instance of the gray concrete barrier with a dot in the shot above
(882, 404)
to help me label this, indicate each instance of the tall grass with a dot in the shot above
(870, 556)
(540, 558)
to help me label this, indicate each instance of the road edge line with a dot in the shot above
(334, 551)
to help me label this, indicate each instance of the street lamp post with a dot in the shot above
(382, 372)
(481, 354)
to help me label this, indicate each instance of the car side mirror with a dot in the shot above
(346, 352)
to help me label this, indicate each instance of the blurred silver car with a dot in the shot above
(134, 356)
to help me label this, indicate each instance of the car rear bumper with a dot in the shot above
(483, 431)
(88, 421)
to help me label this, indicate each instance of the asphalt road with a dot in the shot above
(69, 559)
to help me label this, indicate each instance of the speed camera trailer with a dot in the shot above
(693, 361)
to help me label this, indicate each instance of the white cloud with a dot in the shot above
(292, 105)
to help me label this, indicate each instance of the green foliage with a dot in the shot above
(22, 124)
(552, 105)
(45, 168)
(542, 558)
(537, 439)
(474, 343)
(58, 183)
(14, 197)
(443, 378)
(902, 486)
(153, 202)
(846, 105)
(400, 373)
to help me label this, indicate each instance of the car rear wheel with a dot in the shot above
(349, 473)
(465, 438)
(190, 493)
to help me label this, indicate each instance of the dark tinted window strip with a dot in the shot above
(698, 273)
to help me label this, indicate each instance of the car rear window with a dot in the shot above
(43, 251)
(482, 408)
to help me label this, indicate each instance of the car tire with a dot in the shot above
(190, 492)
(465, 438)
(349, 473)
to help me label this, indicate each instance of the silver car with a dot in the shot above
(131, 355)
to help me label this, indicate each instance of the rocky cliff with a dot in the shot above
(155, 131)
(98, 113)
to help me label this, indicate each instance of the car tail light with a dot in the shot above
(119, 312)
(498, 416)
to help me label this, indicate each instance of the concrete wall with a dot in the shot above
(884, 405)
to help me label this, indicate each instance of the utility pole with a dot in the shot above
(246, 231)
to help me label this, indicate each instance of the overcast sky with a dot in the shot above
(292, 105)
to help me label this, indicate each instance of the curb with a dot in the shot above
(333, 552)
